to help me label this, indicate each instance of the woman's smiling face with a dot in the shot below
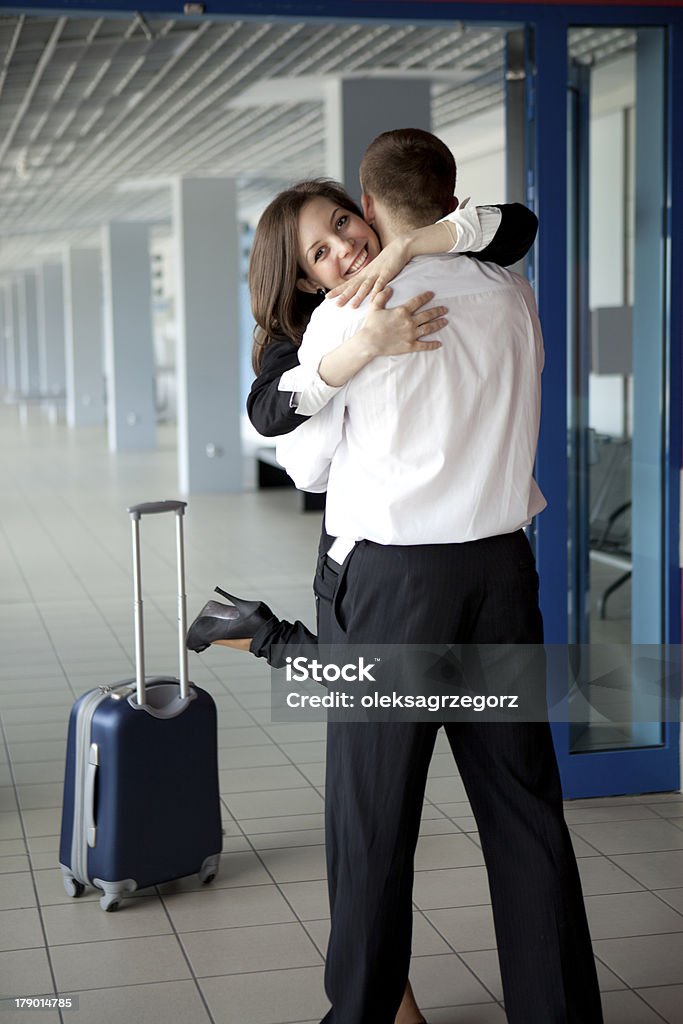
(334, 244)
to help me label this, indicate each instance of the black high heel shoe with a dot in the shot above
(239, 620)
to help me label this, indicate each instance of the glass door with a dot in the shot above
(620, 737)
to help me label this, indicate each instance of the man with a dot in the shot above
(428, 470)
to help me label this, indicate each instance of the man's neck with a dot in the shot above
(389, 228)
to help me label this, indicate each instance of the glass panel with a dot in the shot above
(616, 395)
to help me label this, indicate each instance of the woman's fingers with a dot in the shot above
(431, 327)
(380, 300)
(364, 290)
(412, 305)
(424, 316)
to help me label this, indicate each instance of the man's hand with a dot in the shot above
(373, 278)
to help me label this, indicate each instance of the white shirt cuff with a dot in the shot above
(310, 393)
(475, 226)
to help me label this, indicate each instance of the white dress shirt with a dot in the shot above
(433, 447)
(475, 226)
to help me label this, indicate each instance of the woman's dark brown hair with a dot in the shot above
(278, 306)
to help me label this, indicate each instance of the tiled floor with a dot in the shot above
(249, 949)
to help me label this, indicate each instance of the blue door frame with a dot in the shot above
(585, 774)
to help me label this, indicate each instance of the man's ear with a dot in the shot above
(368, 207)
(304, 284)
(454, 204)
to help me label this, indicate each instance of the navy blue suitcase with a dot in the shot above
(141, 802)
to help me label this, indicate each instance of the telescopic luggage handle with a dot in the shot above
(136, 512)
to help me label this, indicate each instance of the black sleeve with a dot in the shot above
(268, 408)
(513, 239)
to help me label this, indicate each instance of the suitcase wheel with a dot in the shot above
(110, 903)
(73, 888)
(209, 869)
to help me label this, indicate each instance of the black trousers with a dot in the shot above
(483, 592)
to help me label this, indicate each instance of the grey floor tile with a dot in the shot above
(8, 798)
(31, 1017)
(169, 1002)
(14, 865)
(442, 826)
(86, 922)
(625, 914)
(252, 757)
(465, 928)
(111, 964)
(244, 806)
(581, 847)
(315, 773)
(41, 794)
(600, 876)
(44, 822)
(598, 813)
(277, 840)
(627, 1008)
(251, 780)
(309, 899)
(608, 980)
(282, 823)
(447, 790)
(247, 736)
(228, 908)
(451, 887)
(20, 929)
(10, 825)
(443, 980)
(654, 870)
(622, 837)
(24, 732)
(11, 847)
(271, 997)
(484, 963)
(296, 864)
(39, 771)
(25, 972)
(446, 851)
(16, 891)
(674, 897)
(670, 808)
(305, 753)
(243, 950)
(667, 1001)
(644, 960)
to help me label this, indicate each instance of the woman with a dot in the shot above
(311, 239)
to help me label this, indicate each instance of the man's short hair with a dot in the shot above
(411, 172)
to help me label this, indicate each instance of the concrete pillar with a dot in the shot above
(12, 320)
(128, 338)
(52, 360)
(83, 337)
(358, 109)
(29, 373)
(208, 327)
(3, 339)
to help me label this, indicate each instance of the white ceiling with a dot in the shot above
(97, 113)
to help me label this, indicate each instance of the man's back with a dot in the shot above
(439, 447)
